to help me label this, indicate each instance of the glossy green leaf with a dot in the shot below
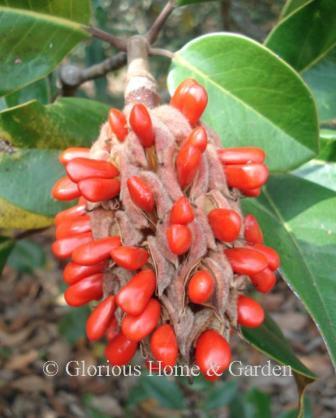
(306, 36)
(327, 145)
(76, 10)
(321, 78)
(269, 339)
(36, 91)
(319, 172)
(32, 45)
(26, 178)
(66, 122)
(299, 220)
(6, 246)
(188, 2)
(292, 5)
(27, 256)
(254, 97)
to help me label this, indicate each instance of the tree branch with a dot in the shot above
(157, 25)
(115, 41)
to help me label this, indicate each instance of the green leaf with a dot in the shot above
(66, 122)
(292, 5)
(306, 36)
(319, 172)
(26, 178)
(261, 402)
(36, 91)
(76, 10)
(32, 44)
(328, 145)
(254, 97)
(220, 394)
(187, 2)
(27, 256)
(6, 246)
(304, 233)
(72, 325)
(321, 78)
(269, 339)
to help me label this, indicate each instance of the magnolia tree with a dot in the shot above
(183, 210)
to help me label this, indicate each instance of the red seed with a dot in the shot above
(112, 330)
(97, 190)
(198, 138)
(73, 152)
(141, 124)
(264, 281)
(120, 350)
(187, 163)
(96, 251)
(118, 124)
(212, 354)
(245, 260)
(65, 189)
(249, 176)
(241, 155)
(272, 256)
(84, 291)
(63, 248)
(225, 224)
(201, 287)
(75, 212)
(137, 327)
(141, 194)
(179, 238)
(74, 272)
(181, 91)
(100, 319)
(253, 232)
(250, 313)
(251, 192)
(182, 212)
(130, 258)
(73, 227)
(83, 168)
(134, 296)
(163, 345)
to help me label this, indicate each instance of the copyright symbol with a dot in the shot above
(50, 368)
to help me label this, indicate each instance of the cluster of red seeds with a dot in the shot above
(93, 180)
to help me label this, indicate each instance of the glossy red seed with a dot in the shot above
(141, 124)
(64, 248)
(70, 214)
(201, 287)
(134, 296)
(141, 194)
(97, 190)
(272, 256)
(245, 260)
(253, 232)
(182, 212)
(137, 327)
(198, 138)
(250, 313)
(191, 100)
(64, 189)
(120, 350)
(73, 227)
(187, 163)
(83, 168)
(179, 238)
(100, 319)
(84, 291)
(180, 92)
(130, 258)
(241, 155)
(96, 251)
(74, 272)
(163, 345)
(264, 281)
(251, 192)
(225, 224)
(112, 330)
(73, 152)
(249, 176)
(118, 124)
(212, 354)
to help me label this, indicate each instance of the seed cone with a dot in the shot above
(173, 167)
